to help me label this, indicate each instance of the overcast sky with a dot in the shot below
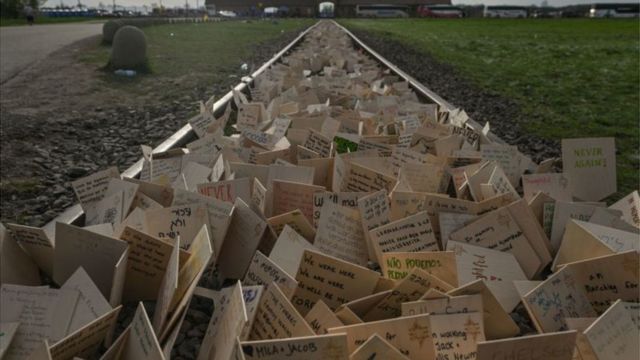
(172, 3)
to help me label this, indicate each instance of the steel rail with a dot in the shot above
(74, 214)
(417, 86)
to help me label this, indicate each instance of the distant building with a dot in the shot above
(310, 7)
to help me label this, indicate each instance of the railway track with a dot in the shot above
(73, 215)
(418, 197)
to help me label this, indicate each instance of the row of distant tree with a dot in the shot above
(15, 8)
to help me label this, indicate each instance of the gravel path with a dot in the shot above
(23, 46)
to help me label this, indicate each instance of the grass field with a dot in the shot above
(45, 20)
(204, 48)
(571, 77)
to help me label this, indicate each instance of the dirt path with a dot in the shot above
(23, 46)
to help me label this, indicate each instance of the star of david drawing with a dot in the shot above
(418, 332)
(569, 281)
(563, 182)
(333, 352)
(472, 328)
(459, 250)
(630, 265)
(258, 229)
(503, 219)
(166, 193)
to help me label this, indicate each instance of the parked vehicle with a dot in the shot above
(628, 10)
(282, 11)
(382, 11)
(504, 11)
(270, 11)
(440, 11)
(227, 14)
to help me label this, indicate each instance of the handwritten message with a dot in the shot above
(264, 271)
(340, 234)
(441, 264)
(331, 347)
(184, 221)
(322, 277)
(288, 196)
(277, 318)
(411, 234)
(584, 160)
